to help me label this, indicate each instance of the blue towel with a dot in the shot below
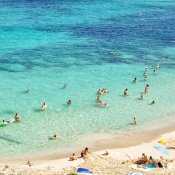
(162, 150)
(149, 166)
(84, 170)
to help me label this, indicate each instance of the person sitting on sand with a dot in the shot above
(152, 103)
(147, 88)
(106, 153)
(126, 92)
(85, 152)
(17, 117)
(54, 137)
(29, 163)
(135, 80)
(69, 102)
(142, 160)
(73, 157)
(44, 106)
(151, 161)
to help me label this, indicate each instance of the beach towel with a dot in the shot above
(140, 168)
(135, 173)
(84, 171)
(162, 150)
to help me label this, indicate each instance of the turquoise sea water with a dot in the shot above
(45, 44)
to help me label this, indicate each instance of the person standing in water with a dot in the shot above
(126, 92)
(135, 80)
(135, 122)
(155, 73)
(69, 102)
(17, 117)
(147, 88)
(44, 106)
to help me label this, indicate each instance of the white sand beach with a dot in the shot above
(119, 161)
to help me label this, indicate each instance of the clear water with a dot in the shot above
(45, 44)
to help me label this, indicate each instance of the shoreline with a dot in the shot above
(102, 141)
(62, 166)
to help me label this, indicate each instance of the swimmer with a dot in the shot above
(69, 102)
(144, 74)
(152, 103)
(98, 98)
(146, 69)
(28, 90)
(147, 88)
(135, 80)
(54, 137)
(126, 92)
(155, 73)
(17, 117)
(135, 122)
(142, 97)
(44, 106)
(157, 66)
(65, 86)
(145, 78)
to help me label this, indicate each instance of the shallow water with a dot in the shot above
(45, 44)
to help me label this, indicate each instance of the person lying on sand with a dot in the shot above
(73, 157)
(142, 160)
(85, 152)
(106, 153)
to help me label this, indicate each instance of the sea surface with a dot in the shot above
(89, 45)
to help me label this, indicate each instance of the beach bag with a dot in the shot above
(160, 165)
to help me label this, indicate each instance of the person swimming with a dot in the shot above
(44, 106)
(146, 69)
(142, 97)
(155, 73)
(157, 66)
(126, 92)
(28, 90)
(147, 88)
(69, 102)
(65, 86)
(54, 137)
(152, 103)
(17, 117)
(145, 78)
(135, 80)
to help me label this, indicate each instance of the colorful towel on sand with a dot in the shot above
(84, 171)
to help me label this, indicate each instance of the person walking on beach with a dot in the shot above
(17, 117)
